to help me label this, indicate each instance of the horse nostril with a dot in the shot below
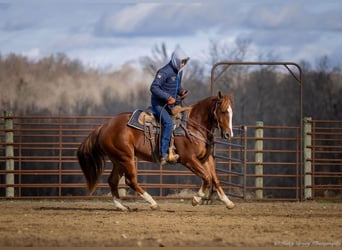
(226, 135)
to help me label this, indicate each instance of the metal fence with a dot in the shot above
(38, 160)
(274, 162)
(323, 159)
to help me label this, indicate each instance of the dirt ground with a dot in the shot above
(177, 223)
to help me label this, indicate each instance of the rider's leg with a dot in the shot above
(167, 126)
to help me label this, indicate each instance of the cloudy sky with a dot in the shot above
(104, 33)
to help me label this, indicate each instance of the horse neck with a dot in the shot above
(201, 114)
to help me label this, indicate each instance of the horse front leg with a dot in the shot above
(204, 191)
(198, 169)
(222, 196)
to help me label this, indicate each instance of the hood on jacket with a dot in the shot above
(177, 56)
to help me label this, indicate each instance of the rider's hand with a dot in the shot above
(183, 94)
(171, 100)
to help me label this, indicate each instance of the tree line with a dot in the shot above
(58, 85)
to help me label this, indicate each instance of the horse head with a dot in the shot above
(224, 115)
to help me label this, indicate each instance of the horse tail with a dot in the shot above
(92, 159)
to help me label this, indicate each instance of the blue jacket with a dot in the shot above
(168, 80)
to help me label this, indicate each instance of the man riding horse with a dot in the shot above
(122, 143)
(165, 89)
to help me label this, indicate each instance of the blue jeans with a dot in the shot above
(164, 117)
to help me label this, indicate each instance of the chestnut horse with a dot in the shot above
(121, 143)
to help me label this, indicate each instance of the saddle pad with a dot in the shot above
(134, 120)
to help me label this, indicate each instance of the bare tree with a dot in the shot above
(158, 58)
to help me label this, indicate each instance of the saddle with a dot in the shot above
(144, 120)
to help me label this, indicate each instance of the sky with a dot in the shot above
(104, 33)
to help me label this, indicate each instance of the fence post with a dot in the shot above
(8, 125)
(307, 158)
(259, 145)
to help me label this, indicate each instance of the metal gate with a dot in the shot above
(217, 72)
(230, 158)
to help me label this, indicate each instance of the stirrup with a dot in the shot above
(164, 161)
(167, 160)
(172, 157)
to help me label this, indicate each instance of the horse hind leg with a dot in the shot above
(113, 181)
(132, 181)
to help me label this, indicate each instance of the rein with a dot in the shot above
(209, 138)
(198, 128)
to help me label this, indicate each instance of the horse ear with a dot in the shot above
(219, 94)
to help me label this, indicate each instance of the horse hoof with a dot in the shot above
(155, 207)
(196, 201)
(230, 205)
(123, 209)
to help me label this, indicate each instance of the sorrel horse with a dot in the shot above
(121, 143)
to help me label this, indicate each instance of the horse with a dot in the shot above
(122, 143)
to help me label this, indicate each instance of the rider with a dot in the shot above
(165, 88)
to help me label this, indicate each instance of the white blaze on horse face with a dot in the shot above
(230, 112)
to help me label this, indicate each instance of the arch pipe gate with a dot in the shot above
(299, 79)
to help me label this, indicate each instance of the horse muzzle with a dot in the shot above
(227, 134)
